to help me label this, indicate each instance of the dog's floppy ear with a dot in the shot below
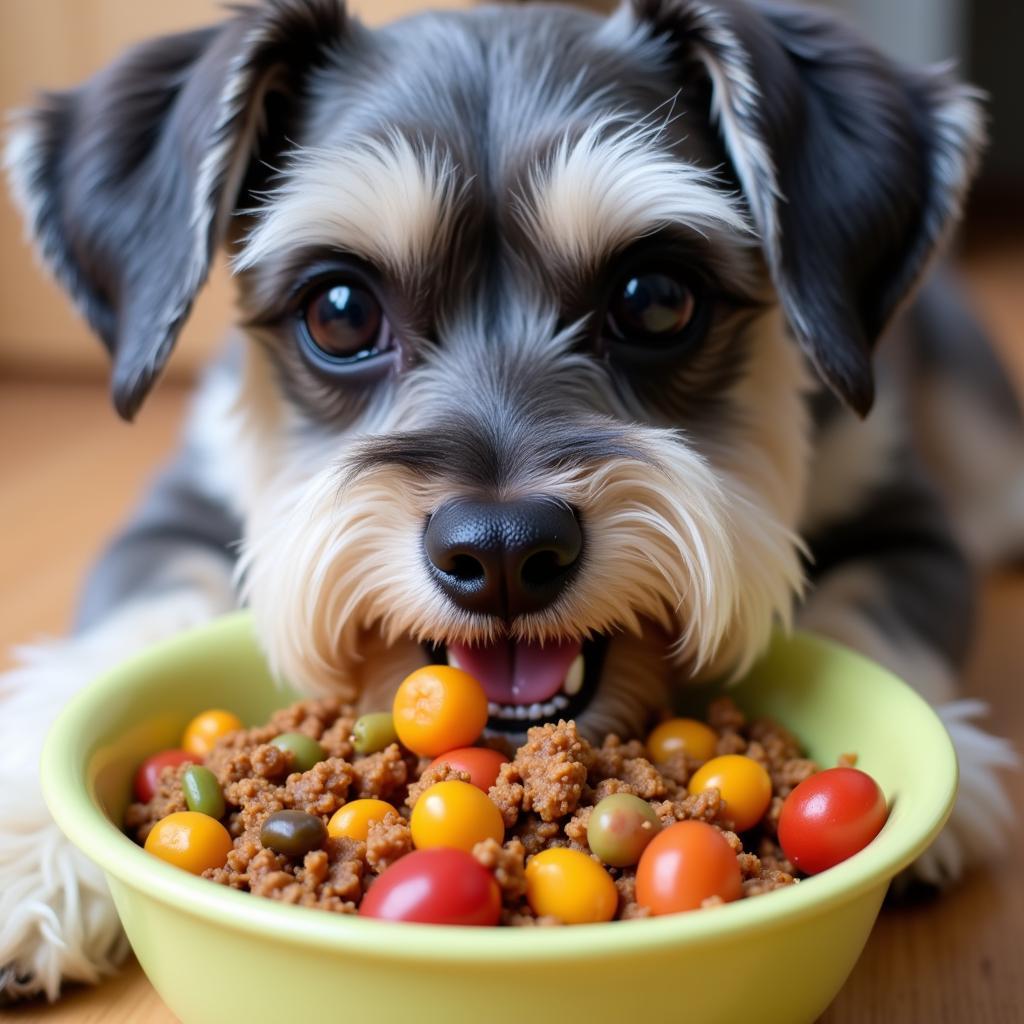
(853, 167)
(128, 180)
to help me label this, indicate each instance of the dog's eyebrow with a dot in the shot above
(388, 201)
(594, 193)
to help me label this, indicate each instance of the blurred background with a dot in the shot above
(56, 43)
(69, 469)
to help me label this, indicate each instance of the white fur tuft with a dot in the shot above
(612, 185)
(57, 920)
(983, 815)
(385, 200)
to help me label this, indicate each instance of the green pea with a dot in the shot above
(293, 833)
(306, 751)
(373, 732)
(620, 827)
(202, 791)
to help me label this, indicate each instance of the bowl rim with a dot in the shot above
(80, 817)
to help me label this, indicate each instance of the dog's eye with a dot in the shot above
(652, 309)
(345, 322)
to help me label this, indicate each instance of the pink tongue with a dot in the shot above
(514, 672)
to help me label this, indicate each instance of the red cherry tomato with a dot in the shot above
(685, 864)
(829, 817)
(435, 886)
(147, 778)
(482, 764)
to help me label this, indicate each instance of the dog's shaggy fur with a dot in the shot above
(492, 175)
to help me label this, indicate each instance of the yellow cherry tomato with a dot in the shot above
(206, 728)
(190, 840)
(571, 886)
(455, 814)
(353, 821)
(439, 708)
(745, 786)
(682, 735)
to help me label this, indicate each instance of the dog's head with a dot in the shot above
(529, 295)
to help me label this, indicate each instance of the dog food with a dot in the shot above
(398, 816)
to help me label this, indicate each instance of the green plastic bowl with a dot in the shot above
(218, 955)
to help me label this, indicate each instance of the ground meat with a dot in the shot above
(387, 840)
(730, 742)
(606, 761)
(724, 715)
(552, 765)
(508, 863)
(628, 906)
(442, 773)
(576, 829)
(546, 794)
(383, 774)
(787, 776)
(321, 790)
(507, 793)
(336, 739)
(270, 762)
(139, 819)
(677, 769)
(537, 834)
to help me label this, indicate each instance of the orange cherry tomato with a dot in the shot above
(685, 864)
(439, 708)
(190, 840)
(482, 764)
(571, 886)
(206, 728)
(745, 786)
(455, 814)
(682, 736)
(353, 821)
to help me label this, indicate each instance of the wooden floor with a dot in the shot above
(70, 472)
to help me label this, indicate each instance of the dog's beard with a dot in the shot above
(685, 572)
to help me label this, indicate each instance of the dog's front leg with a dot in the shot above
(891, 582)
(168, 570)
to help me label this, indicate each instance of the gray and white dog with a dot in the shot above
(555, 359)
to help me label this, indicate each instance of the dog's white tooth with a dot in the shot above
(493, 709)
(574, 677)
(560, 701)
(522, 711)
(547, 710)
(452, 658)
(535, 710)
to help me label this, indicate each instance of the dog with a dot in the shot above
(555, 358)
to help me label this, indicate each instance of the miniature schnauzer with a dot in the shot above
(555, 360)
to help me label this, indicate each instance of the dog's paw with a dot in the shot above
(978, 828)
(57, 919)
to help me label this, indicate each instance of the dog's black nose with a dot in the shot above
(503, 558)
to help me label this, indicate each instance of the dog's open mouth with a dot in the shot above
(529, 683)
